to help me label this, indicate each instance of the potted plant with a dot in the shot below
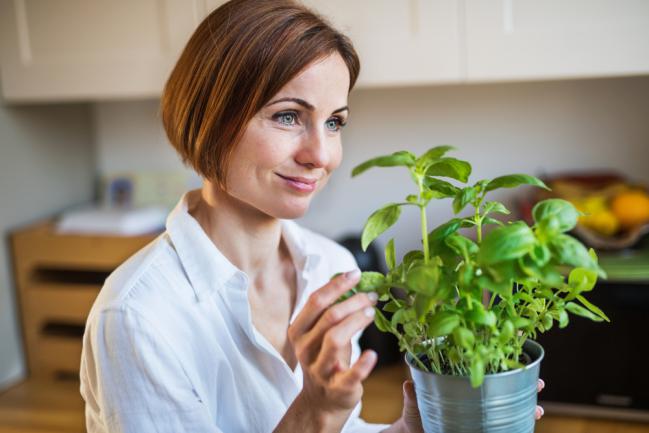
(468, 304)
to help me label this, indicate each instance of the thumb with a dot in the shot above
(409, 391)
(410, 413)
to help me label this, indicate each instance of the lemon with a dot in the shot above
(603, 222)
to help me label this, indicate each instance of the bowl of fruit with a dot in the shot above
(615, 211)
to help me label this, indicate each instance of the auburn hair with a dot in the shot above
(238, 58)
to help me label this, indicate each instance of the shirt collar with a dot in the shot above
(207, 268)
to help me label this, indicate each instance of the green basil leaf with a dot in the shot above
(480, 316)
(563, 319)
(462, 245)
(477, 371)
(441, 232)
(582, 280)
(593, 308)
(462, 198)
(495, 207)
(382, 324)
(490, 220)
(506, 331)
(555, 214)
(464, 337)
(432, 155)
(390, 256)
(378, 222)
(507, 243)
(440, 187)
(393, 306)
(423, 279)
(422, 305)
(583, 312)
(569, 251)
(442, 323)
(370, 282)
(400, 158)
(514, 180)
(521, 322)
(450, 167)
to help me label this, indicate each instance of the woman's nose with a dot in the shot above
(314, 150)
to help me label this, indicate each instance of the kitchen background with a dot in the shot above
(517, 86)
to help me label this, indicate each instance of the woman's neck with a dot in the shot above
(250, 239)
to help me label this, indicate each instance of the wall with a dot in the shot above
(46, 165)
(533, 127)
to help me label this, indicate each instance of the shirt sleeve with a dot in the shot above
(132, 380)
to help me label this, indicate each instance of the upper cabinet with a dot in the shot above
(80, 49)
(399, 43)
(58, 50)
(532, 39)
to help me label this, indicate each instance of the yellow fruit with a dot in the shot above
(592, 204)
(603, 222)
(631, 208)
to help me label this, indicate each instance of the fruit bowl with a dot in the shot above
(615, 210)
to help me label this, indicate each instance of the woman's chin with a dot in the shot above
(292, 210)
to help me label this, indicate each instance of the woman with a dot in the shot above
(226, 322)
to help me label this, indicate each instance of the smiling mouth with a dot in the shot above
(300, 184)
(299, 179)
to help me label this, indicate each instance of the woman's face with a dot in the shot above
(291, 146)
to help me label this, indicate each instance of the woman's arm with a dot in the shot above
(132, 380)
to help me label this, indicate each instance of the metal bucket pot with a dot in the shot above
(504, 403)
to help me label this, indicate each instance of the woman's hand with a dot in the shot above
(410, 421)
(321, 337)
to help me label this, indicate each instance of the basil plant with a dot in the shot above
(465, 302)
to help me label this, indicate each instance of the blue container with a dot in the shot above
(504, 403)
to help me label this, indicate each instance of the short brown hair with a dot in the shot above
(238, 58)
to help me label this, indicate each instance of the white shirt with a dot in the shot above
(170, 346)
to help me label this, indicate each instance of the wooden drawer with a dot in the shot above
(58, 278)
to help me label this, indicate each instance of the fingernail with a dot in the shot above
(352, 275)
(373, 296)
(369, 311)
(541, 383)
(371, 357)
(542, 411)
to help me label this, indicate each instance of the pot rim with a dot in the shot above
(501, 374)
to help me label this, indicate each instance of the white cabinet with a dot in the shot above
(82, 49)
(532, 39)
(56, 50)
(404, 42)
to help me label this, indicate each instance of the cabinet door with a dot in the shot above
(531, 39)
(80, 49)
(399, 42)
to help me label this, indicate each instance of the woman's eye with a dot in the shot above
(334, 124)
(286, 118)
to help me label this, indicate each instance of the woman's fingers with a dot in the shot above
(358, 372)
(312, 341)
(320, 300)
(540, 385)
(538, 413)
(338, 338)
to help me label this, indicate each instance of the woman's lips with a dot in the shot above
(301, 184)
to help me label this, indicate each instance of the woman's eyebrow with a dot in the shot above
(305, 104)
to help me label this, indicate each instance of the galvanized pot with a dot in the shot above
(504, 403)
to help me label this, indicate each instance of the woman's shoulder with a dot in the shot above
(150, 276)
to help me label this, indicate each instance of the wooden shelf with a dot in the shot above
(58, 278)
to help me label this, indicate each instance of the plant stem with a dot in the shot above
(478, 222)
(424, 224)
(424, 232)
